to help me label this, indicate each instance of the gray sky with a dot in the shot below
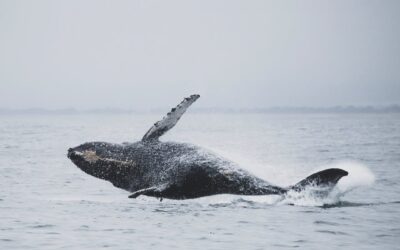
(150, 54)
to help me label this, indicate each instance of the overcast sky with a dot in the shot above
(150, 54)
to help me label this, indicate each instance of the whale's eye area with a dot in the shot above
(90, 156)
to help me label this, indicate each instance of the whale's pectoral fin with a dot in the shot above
(161, 127)
(325, 178)
(151, 191)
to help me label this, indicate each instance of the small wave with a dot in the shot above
(348, 204)
(244, 201)
(322, 222)
(332, 232)
(356, 204)
(42, 226)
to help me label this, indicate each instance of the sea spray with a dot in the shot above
(359, 176)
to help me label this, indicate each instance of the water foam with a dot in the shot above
(359, 176)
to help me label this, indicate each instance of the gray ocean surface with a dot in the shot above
(46, 202)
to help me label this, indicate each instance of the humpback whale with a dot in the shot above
(179, 170)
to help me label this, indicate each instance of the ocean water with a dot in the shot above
(46, 202)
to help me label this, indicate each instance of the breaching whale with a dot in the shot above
(179, 170)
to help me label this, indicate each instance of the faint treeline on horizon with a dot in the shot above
(286, 110)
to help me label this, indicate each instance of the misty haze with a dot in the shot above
(237, 54)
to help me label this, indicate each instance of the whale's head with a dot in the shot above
(103, 160)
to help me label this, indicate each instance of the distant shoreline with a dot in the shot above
(271, 110)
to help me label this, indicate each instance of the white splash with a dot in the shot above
(359, 176)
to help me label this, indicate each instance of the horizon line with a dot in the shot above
(395, 108)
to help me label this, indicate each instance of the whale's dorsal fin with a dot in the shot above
(161, 127)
